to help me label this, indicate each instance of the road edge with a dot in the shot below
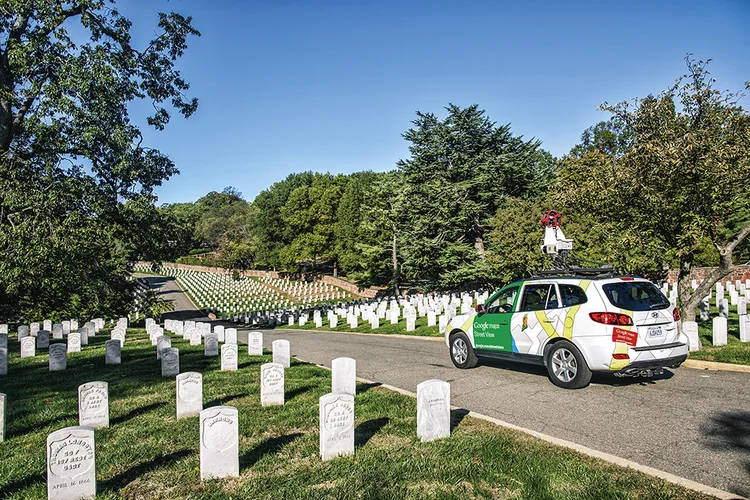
(698, 364)
(607, 457)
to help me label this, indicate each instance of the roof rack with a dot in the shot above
(600, 272)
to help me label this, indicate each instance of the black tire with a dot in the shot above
(566, 366)
(461, 351)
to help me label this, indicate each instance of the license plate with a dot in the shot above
(655, 331)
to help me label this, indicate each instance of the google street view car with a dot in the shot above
(572, 324)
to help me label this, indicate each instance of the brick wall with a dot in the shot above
(699, 273)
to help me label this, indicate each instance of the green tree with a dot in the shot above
(73, 171)
(684, 177)
(460, 171)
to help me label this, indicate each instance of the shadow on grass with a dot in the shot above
(21, 484)
(457, 417)
(223, 399)
(289, 395)
(128, 476)
(136, 413)
(39, 425)
(266, 447)
(367, 429)
(362, 388)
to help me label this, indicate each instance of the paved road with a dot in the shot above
(692, 423)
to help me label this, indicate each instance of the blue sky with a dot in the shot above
(330, 86)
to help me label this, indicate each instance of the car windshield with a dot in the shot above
(635, 296)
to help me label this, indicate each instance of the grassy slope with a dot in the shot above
(734, 352)
(147, 453)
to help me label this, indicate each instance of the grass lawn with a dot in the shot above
(147, 453)
(734, 352)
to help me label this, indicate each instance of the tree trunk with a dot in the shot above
(394, 255)
(335, 270)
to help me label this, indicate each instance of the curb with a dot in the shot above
(698, 364)
(385, 335)
(613, 459)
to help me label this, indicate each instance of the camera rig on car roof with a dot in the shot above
(557, 246)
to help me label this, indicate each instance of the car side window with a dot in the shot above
(503, 302)
(552, 301)
(535, 297)
(572, 295)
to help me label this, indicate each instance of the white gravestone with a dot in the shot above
(93, 404)
(724, 308)
(3, 340)
(229, 357)
(162, 342)
(73, 325)
(28, 347)
(271, 384)
(344, 376)
(47, 325)
(720, 331)
(66, 327)
(705, 309)
(2, 417)
(744, 328)
(74, 342)
(333, 322)
(690, 328)
(281, 352)
(119, 336)
(34, 329)
(189, 394)
(211, 347)
(84, 333)
(219, 436)
(112, 352)
(742, 306)
(195, 336)
(230, 335)
(23, 331)
(170, 362)
(3, 360)
(255, 343)
(58, 357)
(57, 331)
(411, 323)
(42, 339)
(336, 425)
(71, 464)
(433, 410)
(220, 333)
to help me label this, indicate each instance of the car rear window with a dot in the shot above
(635, 296)
(572, 295)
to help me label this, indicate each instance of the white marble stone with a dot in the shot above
(433, 410)
(255, 343)
(3, 360)
(93, 404)
(47, 325)
(58, 357)
(229, 357)
(720, 331)
(3, 398)
(189, 394)
(724, 308)
(211, 345)
(23, 331)
(230, 336)
(42, 339)
(690, 329)
(34, 329)
(744, 328)
(74, 342)
(71, 464)
(112, 351)
(741, 306)
(3, 340)
(344, 376)
(219, 331)
(281, 352)
(271, 384)
(28, 347)
(170, 362)
(66, 327)
(219, 438)
(336, 413)
(119, 336)
(705, 309)
(162, 342)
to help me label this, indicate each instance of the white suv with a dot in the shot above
(574, 326)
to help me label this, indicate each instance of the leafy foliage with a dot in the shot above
(76, 183)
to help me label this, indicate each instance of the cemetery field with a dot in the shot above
(421, 328)
(147, 453)
(734, 352)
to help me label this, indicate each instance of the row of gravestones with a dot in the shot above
(719, 331)
(71, 469)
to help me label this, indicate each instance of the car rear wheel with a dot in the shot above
(462, 353)
(566, 366)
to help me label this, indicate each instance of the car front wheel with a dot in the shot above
(462, 353)
(566, 366)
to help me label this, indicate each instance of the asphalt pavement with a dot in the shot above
(691, 423)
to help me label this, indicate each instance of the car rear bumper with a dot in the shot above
(636, 367)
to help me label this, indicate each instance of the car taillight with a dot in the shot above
(612, 318)
(676, 315)
(621, 356)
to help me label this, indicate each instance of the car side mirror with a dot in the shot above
(481, 309)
